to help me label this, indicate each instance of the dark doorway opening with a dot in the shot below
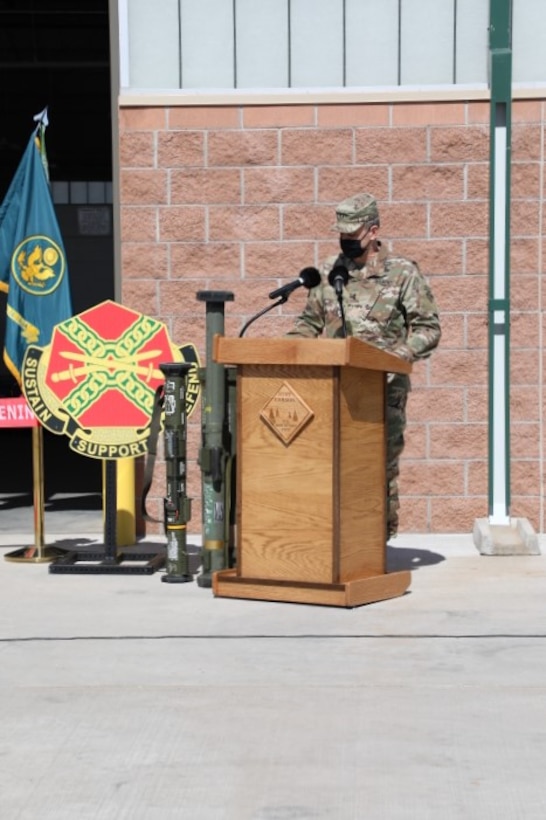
(56, 53)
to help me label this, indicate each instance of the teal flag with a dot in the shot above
(33, 269)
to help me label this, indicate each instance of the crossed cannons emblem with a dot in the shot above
(97, 380)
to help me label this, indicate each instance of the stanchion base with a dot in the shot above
(177, 579)
(35, 555)
(204, 581)
(104, 563)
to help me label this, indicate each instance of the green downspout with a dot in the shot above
(500, 48)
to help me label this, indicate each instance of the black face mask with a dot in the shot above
(351, 248)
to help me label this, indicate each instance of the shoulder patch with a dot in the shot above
(401, 264)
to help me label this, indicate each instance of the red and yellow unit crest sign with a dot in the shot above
(96, 381)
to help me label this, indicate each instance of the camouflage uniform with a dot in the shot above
(388, 304)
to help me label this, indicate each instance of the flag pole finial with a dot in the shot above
(42, 118)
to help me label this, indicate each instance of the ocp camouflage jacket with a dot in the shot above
(388, 304)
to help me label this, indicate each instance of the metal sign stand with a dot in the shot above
(110, 560)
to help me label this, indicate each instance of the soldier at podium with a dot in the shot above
(383, 300)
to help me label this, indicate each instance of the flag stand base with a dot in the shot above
(108, 558)
(108, 562)
(35, 555)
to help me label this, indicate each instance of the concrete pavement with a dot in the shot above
(124, 698)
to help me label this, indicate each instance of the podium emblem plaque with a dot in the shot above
(286, 413)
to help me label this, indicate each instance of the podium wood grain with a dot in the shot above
(311, 512)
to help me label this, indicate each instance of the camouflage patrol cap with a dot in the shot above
(353, 213)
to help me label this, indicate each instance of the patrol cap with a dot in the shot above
(353, 213)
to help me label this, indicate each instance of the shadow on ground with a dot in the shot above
(57, 503)
(16, 501)
(65, 503)
(400, 558)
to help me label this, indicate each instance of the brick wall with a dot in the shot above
(241, 198)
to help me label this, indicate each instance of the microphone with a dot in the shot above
(309, 278)
(338, 278)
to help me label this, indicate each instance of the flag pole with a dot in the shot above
(38, 553)
(38, 488)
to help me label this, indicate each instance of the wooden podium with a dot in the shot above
(311, 471)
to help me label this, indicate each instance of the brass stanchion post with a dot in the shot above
(38, 553)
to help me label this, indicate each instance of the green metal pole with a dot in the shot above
(215, 450)
(500, 47)
(177, 504)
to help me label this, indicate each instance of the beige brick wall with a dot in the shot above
(241, 198)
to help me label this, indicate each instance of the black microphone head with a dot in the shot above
(310, 277)
(340, 274)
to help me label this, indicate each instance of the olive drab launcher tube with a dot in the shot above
(216, 452)
(177, 506)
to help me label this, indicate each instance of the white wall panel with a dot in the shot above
(427, 42)
(372, 42)
(472, 51)
(191, 43)
(154, 56)
(262, 43)
(317, 42)
(529, 40)
(207, 43)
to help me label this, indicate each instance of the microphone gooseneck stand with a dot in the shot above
(342, 312)
(338, 278)
(280, 301)
(309, 278)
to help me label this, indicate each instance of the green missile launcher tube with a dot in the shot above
(216, 455)
(177, 506)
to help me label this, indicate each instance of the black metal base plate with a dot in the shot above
(106, 562)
